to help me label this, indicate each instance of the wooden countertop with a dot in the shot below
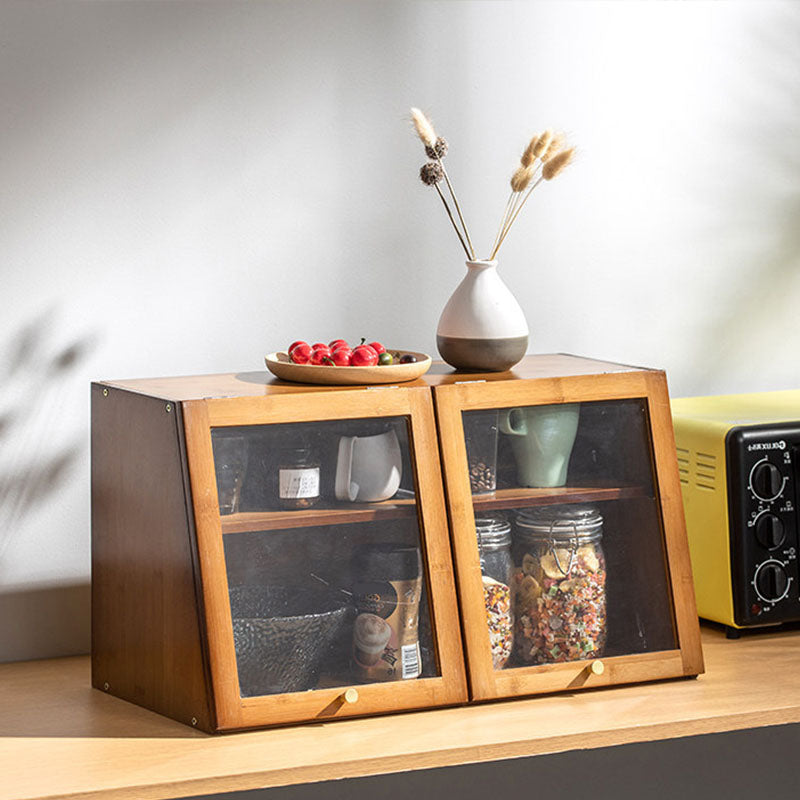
(61, 738)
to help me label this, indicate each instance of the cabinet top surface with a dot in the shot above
(262, 382)
(95, 745)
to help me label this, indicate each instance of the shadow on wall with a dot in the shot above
(33, 467)
(752, 322)
(36, 461)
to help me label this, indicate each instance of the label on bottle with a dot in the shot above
(410, 660)
(299, 482)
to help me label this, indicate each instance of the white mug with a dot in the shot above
(368, 468)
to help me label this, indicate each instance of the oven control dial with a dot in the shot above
(766, 480)
(770, 531)
(771, 581)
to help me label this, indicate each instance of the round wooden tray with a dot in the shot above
(280, 366)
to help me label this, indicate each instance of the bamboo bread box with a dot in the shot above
(267, 553)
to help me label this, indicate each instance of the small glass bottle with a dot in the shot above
(298, 477)
(497, 569)
(559, 584)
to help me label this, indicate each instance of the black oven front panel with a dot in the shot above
(763, 491)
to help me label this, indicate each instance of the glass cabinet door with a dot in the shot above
(323, 554)
(566, 538)
(326, 530)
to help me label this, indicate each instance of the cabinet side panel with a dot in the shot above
(146, 637)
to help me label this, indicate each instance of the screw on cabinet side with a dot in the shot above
(106, 686)
(105, 392)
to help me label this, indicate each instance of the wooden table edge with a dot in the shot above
(86, 763)
(433, 759)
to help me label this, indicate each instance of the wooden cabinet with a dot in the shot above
(248, 618)
(266, 553)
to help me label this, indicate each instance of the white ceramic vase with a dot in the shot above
(482, 327)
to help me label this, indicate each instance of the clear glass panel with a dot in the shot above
(326, 570)
(569, 536)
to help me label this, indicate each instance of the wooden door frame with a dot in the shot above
(648, 385)
(234, 712)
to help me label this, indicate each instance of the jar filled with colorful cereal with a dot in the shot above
(497, 568)
(559, 584)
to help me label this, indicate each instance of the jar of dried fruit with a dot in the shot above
(497, 569)
(559, 584)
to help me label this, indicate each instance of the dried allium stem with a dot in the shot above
(455, 227)
(471, 251)
(439, 150)
(436, 148)
(424, 128)
(431, 173)
(558, 163)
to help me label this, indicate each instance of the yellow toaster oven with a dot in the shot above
(738, 462)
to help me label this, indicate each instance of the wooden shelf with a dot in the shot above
(93, 745)
(523, 498)
(310, 517)
(247, 521)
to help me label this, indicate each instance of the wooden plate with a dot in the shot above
(280, 366)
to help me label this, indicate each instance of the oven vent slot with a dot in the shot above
(705, 471)
(683, 465)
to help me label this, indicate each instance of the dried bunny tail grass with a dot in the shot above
(542, 144)
(521, 178)
(424, 128)
(555, 146)
(528, 156)
(558, 163)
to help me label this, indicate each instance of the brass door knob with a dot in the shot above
(598, 667)
(350, 696)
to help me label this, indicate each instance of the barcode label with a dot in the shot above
(409, 656)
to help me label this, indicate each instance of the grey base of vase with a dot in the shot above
(482, 355)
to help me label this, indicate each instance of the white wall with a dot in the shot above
(185, 186)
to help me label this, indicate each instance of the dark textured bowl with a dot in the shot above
(282, 636)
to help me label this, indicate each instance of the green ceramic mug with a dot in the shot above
(541, 438)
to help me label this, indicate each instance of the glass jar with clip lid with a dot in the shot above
(559, 584)
(497, 569)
